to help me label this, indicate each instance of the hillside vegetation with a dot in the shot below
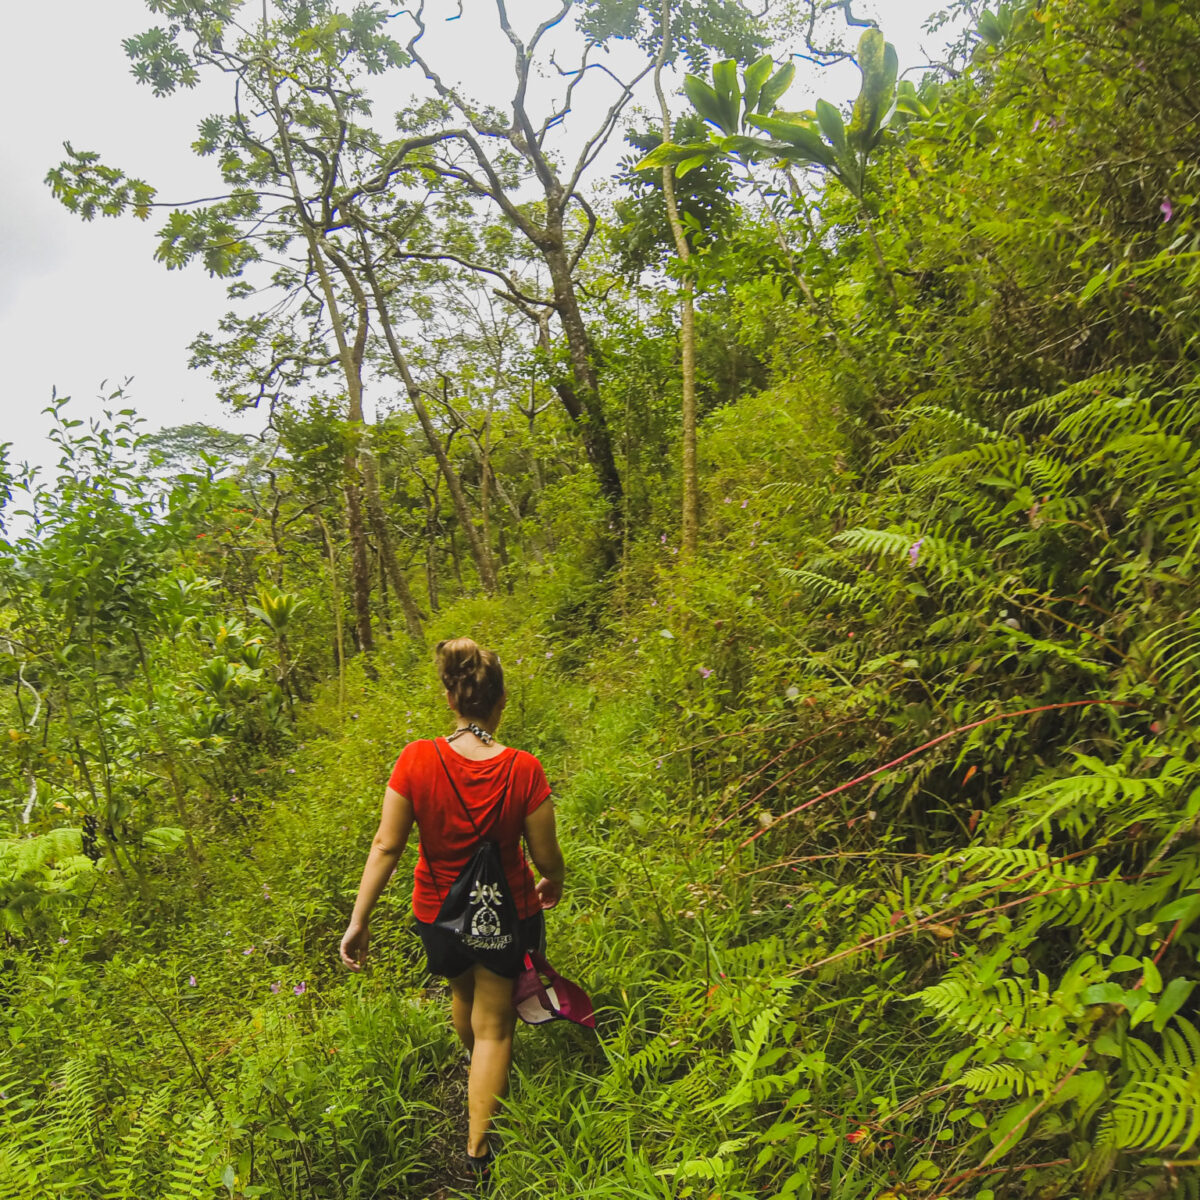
(881, 802)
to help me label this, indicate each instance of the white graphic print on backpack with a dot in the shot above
(485, 920)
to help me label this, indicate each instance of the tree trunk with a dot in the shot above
(387, 553)
(335, 597)
(478, 548)
(360, 572)
(385, 608)
(582, 401)
(350, 357)
(687, 313)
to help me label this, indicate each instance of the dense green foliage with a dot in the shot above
(882, 814)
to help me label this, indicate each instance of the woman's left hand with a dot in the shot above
(354, 945)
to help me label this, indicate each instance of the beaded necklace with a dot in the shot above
(470, 727)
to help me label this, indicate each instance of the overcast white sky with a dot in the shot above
(82, 304)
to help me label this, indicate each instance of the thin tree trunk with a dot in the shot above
(478, 548)
(387, 553)
(454, 558)
(360, 567)
(582, 401)
(335, 596)
(687, 316)
(350, 357)
(385, 609)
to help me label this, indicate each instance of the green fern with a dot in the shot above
(823, 588)
(1156, 1115)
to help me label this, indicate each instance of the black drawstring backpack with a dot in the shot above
(479, 911)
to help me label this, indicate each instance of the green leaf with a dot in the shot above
(1143, 1012)
(741, 144)
(690, 164)
(774, 88)
(1094, 284)
(1169, 1003)
(804, 138)
(164, 838)
(990, 29)
(753, 78)
(879, 65)
(832, 125)
(725, 81)
(1151, 975)
(1186, 909)
(705, 101)
(1102, 993)
(666, 153)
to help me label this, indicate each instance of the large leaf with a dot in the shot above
(705, 101)
(804, 138)
(666, 153)
(753, 79)
(879, 66)
(725, 81)
(690, 164)
(747, 146)
(832, 125)
(774, 88)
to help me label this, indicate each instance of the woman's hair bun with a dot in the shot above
(458, 657)
(471, 675)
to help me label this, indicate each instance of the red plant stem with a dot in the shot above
(787, 862)
(808, 762)
(976, 1172)
(1023, 712)
(768, 765)
(1161, 951)
(996, 1150)
(933, 919)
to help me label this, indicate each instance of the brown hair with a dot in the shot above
(471, 675)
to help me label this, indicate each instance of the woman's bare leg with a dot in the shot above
(462, 995)
(492, 1022)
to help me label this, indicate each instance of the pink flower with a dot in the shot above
(744, 503)
(191, 981)
(248, 950)
(705, 671)
(275, 988)
(300, 989)
(728, 499)
(1166, 209)
(914, 552)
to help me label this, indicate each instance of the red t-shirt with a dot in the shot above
(448, 839)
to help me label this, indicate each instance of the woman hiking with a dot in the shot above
(457, 789)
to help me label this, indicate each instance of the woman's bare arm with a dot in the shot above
(542, 838)
(390, 839)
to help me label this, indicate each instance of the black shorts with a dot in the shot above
(444, 955)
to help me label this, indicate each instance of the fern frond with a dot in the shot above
(1156, 1114)
(823, 588)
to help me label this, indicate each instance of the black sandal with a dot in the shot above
(481, 1166)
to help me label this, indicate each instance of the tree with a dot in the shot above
(282, 154)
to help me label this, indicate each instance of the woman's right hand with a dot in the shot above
(549, 892)
(354, 945)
